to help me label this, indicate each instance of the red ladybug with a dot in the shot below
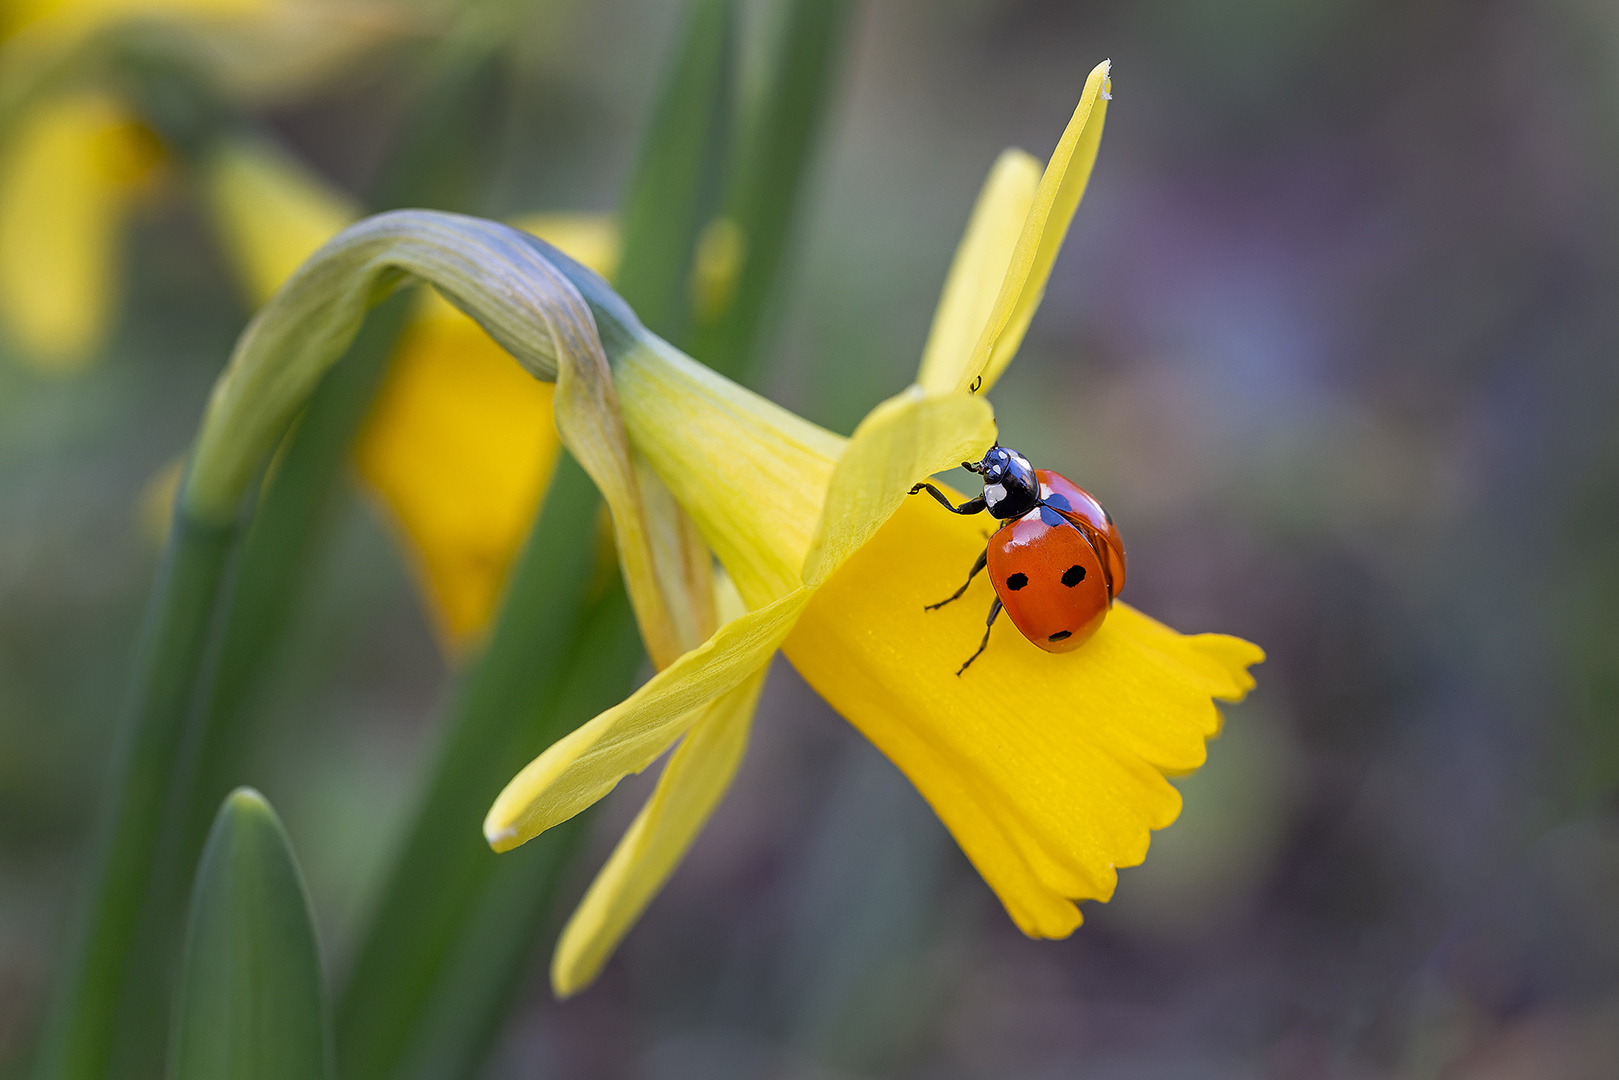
(1056, 564)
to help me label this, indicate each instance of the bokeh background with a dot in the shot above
(1334, 337)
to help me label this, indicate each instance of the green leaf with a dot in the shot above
(766, 182)
(456, 923)
(116, 960)
(676, 184)
(252, 1005)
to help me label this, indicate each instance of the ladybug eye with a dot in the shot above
(1017, 581)
(1073, 576)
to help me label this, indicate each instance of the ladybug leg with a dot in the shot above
(974, 505)
(983, 557)
(989, 623)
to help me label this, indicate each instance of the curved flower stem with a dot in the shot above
(282, 357)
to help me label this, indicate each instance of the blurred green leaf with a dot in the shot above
(117, 954)
(456, 923)
(496, 948)
(252, 1005)
(766, 181)
(676, 184)
(293, 513)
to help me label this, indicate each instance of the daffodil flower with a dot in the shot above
(76, 159)
(1048, 769)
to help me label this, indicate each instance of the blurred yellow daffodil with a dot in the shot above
(1048, 769)
(75, 158)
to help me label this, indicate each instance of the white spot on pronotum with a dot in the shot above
(994, 493)
(1045, 491)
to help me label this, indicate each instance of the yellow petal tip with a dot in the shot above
(501, 838)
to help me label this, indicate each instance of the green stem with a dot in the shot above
(556, 656)
(767, 180)
(299, 499)
(150, 764)
(676, 184)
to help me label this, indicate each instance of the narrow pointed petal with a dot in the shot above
(978, 270)
(680, 559)
(907, 438)
(460, 446)
(693, 782)
(591, 424)
(1048, 768)
(1061, 187)
(67, 178)
(269, 212)
(585, 765)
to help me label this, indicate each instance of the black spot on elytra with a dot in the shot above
(1050, 516)
(1017, 581)
(1073, 576)
(1060, 635)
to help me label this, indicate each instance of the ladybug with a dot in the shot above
(1056, 563)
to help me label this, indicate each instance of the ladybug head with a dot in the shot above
(1010, 489)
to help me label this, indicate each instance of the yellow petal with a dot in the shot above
(695, 778)
(1056, 199)
(586, 764)
(907, 438)
(270, 212)
(591, 425)
(66, 181)
(460, 445)
(1048, 768)
(680, 559)
(20, 14)
(978, 270)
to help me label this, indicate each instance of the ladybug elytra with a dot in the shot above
(1056, 563)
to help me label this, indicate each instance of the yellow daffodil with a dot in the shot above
(75, 159)
(1048, 769)
(72, 171)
